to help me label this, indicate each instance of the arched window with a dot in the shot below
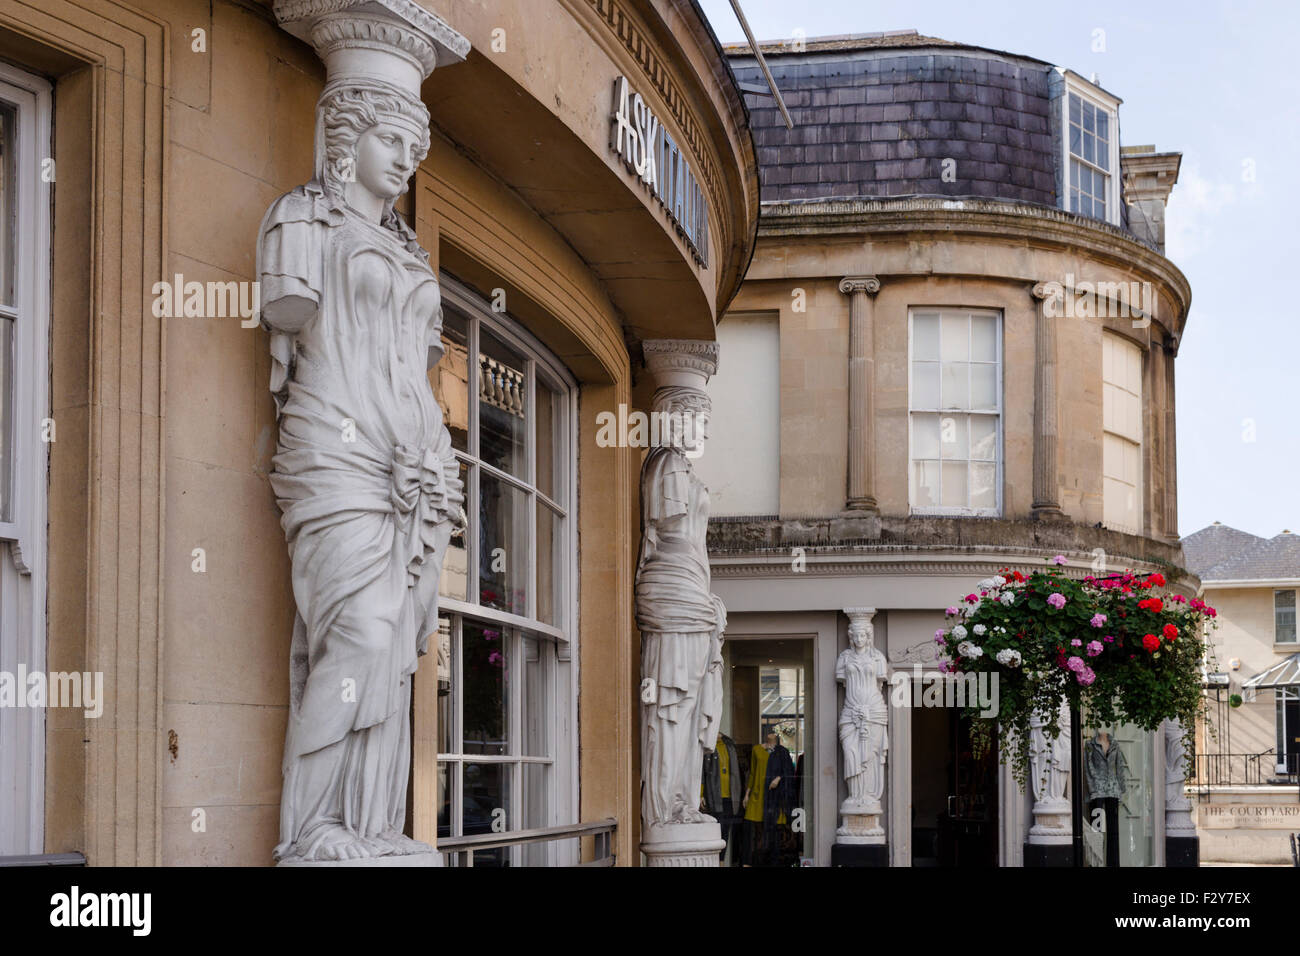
(507, 729)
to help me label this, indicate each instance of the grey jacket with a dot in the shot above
(1104, 770)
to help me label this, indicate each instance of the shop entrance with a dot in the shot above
(954, 794)
(766, 804)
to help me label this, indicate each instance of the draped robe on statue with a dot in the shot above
(681, 625)
(862, 725)
(362, 474)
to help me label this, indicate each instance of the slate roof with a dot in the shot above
(877, 116)
(1222, 553)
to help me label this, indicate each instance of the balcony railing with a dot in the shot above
(463, 848)
(1244, 770)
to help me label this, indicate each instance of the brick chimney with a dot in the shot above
(1148, 177)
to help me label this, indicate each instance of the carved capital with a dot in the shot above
(1048, 290)
(690, 362)
(868, 284)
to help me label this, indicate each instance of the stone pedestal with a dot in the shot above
(859, 826)
(683, 844)
(410, 859)
(859, 854)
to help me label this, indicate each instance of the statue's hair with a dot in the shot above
(346, 113)
(682, 399)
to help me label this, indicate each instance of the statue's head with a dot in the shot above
(370, 136)
(685, 413)
(861, 632)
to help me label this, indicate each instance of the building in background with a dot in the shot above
(1248, 762)
(953, 351)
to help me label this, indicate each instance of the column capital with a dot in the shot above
(1047, 290)
(680, 361)
(868, 284)
(863, 614)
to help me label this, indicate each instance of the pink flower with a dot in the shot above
(1076, 664)
(1077, 643)
(972, 599)
(1086, 676)
(939, 636)
(1059, 559)
(1094, 648)
(1056, 600)
(495, 658)
(1098, 620)
(1109, 639)
(951, 611)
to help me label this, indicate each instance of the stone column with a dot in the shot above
(1171, 445)
(680, 620)
(1050, 838)
(1182, 845)
(862, 367)
(1047, 494)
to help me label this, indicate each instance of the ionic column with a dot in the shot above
(1047, 494)
(862, 367)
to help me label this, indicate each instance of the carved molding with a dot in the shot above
(671, 355)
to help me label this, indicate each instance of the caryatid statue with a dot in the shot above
(863, 727)
(364, 472)
(1049, 778)
(680, 620)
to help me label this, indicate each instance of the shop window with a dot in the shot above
(1288, 730)
(1119, 800)
(507, 745)
(955, 415)
(1284, 617)
(1121, 364)
(25, 433)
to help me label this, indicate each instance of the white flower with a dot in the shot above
(986, 584)
(967, 649)
(979, 630)
(999, 580)
(1008, 657)
(1008, 598)
(959, 631)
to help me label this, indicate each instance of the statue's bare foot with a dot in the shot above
(403, 845)
(339, 843)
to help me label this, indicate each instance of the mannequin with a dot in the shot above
(1105, 771)
(723, 790)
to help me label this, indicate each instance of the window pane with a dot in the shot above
(1088, 149)
(502, 402)
(925, 436)
(955, 338)
(1075, 166)
(487, 798)
(983, 485)
(984, 338)
(536, 713)
(536, 809)
(1076, 141)
(450, 378)
(952, 437)
(954, 484)
(983, 437)
(925, 384)
(925, 337)
(548, 455)
(484, 687)
(1284, 616)
(1076, 108)
(550, 566)
(8, 202)
(1089, 117)
(1103, 125)
(956, 385)
(925, 484)
(445, 783)
(454, 582)
(7, 419)
(984, 386)
(446, 686)
(503, 545)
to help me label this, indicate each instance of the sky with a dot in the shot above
(1218, 82)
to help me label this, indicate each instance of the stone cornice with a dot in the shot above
(974, 217)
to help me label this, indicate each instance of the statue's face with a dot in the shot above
(859, 635)
(386, 157)
(695, 430)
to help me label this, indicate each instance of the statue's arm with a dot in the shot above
(290, 267)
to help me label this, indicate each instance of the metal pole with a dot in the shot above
(1076, 784)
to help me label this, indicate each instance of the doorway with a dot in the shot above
(954, 792)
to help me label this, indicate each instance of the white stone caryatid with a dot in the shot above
(680, 619)
(1049, 779)
(1178, 808)
(864, 730)
(364, 472)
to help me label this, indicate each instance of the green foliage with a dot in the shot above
(1115, 648)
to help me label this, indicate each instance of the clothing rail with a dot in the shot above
(601, 830)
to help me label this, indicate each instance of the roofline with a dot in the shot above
(1207, 583)
(772, 48)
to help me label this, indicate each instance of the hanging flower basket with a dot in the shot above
(1116, 647)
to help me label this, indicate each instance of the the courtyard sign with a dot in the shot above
(650, 152)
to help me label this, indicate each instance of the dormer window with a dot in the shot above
(1091, 150)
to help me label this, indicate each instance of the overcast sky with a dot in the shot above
(1218, 82)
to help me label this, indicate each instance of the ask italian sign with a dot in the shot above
(654, 157)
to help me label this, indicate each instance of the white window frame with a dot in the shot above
(562, 695)
(23, 638)
(1280, 696)
(995, 512)
(1140, 487)
(1102, 100)
(1295, 613)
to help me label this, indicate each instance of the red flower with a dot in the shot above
(1152, 604)
(1151, 642)
(1170, 631)
(1157, 579)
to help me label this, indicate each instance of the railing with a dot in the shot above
(463, 848)
(1243, 770)
(44, 859)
